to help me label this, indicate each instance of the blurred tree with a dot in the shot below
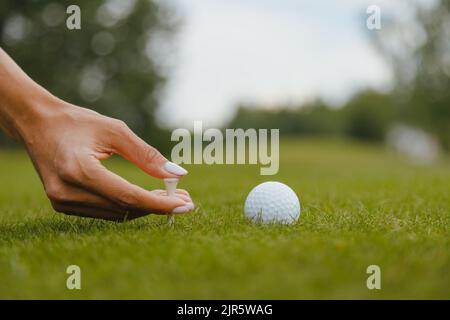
(368, 115)
(419, 51)
(314, 118)
(109, 65)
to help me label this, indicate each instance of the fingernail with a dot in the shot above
(183, 209)
(175, 169)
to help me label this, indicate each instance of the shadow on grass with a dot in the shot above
(57, 226)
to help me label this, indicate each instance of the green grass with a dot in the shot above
(360, 206)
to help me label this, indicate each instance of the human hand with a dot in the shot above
(66, 144)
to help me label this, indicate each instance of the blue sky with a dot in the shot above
(269, 52)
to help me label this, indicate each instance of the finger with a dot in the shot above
(89, 212)
(146, 157)
(187, 206)
(74, 195)
(120, 215)
(98, 179)
(182, 195)
(81, 199)
(177, 191)
(182, 191)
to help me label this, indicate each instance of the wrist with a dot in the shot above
(28, 112)
(23, 102)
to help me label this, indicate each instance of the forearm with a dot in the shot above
(21, 99)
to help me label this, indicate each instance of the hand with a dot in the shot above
(66, 144)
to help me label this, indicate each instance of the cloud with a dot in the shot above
(268, 52)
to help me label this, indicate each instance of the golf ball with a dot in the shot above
(272, 202)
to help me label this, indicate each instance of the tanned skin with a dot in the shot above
(66, 144)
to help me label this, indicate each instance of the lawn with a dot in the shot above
(361, 205)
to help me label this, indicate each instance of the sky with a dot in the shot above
(269, 52)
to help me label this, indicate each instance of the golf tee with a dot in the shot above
(171, 187)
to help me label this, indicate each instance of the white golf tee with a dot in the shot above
(171, 187)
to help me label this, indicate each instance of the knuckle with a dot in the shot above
(120, 129)
(121, 126)
(56, 193)
(151, 154)
(69, 173)
(73, 170)
(68, 164)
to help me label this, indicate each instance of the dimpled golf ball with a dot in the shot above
(272, 202)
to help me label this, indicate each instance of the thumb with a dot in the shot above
(131, 147)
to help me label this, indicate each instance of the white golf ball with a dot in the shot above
(272, 202)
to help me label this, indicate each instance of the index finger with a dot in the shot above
(95, 177)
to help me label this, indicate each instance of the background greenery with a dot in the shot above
(420, 95)
(108, 66)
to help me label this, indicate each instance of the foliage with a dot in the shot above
(313, 118)
(107, 66)
(422, 67)
(366, 116)
(421, 94)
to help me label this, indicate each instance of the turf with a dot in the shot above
(361, 205)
